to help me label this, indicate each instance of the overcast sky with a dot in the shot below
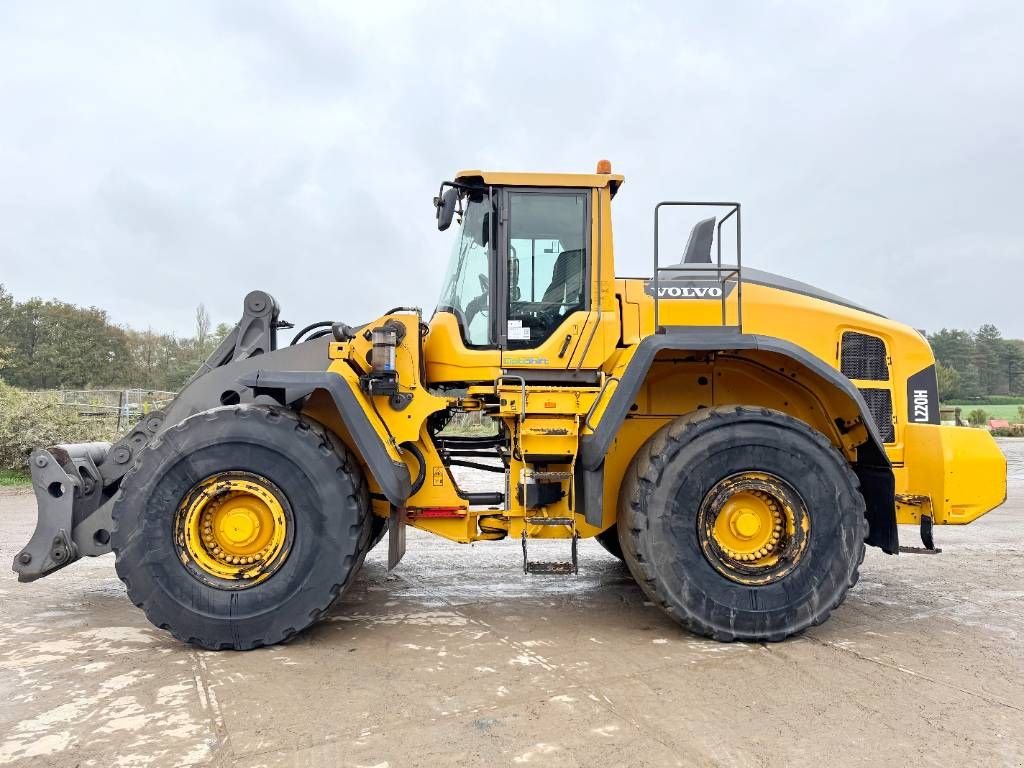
(153, 156)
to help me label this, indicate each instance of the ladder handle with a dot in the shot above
(522, 383)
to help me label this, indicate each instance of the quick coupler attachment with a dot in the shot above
(63, 477)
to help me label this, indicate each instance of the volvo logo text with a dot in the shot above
(689, 292)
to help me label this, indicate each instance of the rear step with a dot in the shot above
(929, 547)
(552, 568)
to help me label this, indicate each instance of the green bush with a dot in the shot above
(977, 417)
(12, 479)
(30, 420)
(1014, 430)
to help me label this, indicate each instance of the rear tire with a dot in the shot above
(326, 499)
(669, 482)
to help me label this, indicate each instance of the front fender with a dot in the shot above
(368, 432)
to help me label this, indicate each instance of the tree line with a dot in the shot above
(57, 345)
(975, 364)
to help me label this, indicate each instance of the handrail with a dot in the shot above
(522, 384)
(724, 274)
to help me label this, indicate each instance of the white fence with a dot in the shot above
(125, 406)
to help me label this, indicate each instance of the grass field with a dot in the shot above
(9, 478)
(1008, 412)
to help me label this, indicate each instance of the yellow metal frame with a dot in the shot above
(952, 474)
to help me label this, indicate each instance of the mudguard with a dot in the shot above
(872, 467)
(288, 387)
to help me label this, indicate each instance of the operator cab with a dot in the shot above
(522, 270)
(545, 254)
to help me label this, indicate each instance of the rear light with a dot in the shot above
(443, 512)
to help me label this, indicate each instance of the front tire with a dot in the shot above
(791, 539)
(192, 517)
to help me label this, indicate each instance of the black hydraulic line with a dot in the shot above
(474, 465)
(485, 498)
(373, 404)
(310, 327)
(466, 442)
(422, 474)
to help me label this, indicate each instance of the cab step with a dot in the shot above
(567, 521)
(547, 477)
(552, 568)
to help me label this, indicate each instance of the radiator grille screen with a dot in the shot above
(880, 406)
(863, 357)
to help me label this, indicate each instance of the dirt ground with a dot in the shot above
(459, 659)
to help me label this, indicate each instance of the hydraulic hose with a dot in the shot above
(322, 324)
(422, 474)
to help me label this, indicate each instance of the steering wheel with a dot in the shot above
(479, 304)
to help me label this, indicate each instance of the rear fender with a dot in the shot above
(855, 431)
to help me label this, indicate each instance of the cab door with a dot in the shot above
(544, 288)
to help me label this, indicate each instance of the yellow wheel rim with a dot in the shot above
(749, 525)
(233, 530)
(753, 527)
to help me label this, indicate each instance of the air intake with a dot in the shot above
(879, 402)
(863, 357)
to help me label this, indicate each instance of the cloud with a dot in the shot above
(159, 156)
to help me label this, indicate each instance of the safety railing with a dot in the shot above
(724, 274)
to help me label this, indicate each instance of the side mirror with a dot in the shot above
(698, 247)
(445, 205)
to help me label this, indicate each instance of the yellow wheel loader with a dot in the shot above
(736, 437)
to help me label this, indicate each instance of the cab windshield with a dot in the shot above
(465, 292)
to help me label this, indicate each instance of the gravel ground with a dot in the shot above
(459, 659)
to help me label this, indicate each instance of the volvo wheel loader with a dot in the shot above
(736, 437)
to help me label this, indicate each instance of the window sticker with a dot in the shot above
(516, 331)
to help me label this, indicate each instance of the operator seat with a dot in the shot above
(566, 288)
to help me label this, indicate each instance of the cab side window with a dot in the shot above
(547, 263)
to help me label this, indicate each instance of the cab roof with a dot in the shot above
(520, 179)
